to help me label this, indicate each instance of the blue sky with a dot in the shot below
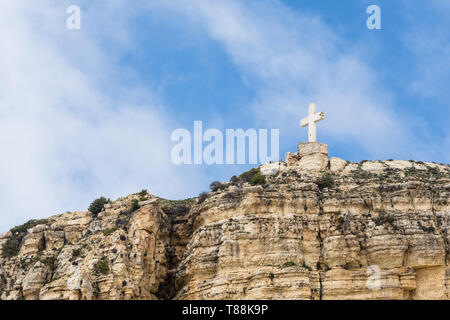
(89, 112)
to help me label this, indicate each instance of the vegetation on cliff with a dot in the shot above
(97, 205)
(12, 246)
(255, 237)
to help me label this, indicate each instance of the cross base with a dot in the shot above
(311, 156)
(309, 148)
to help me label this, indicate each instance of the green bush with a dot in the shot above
(253, 176)
(340, 223)
(289, 264)
(143, 195)
(362, 175)
(109, 231)
(202, 197)
(50, 262)
(12, 246)
(76, 253)
(97, 205)
(326, 181)
(258, 178)
(248, 175)
(233, 194)
(384, 218)
(215, 186)
(304, 265)
(234, 180)
(433, 171)
(102, 266)
(134, 205)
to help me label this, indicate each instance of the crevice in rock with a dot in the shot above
(320, 286)
(319, 237)
(439, 229)
(167, 290)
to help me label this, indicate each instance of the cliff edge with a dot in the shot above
(306, 228)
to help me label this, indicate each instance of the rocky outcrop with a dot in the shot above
(308, 230)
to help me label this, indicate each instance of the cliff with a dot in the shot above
(307, 228)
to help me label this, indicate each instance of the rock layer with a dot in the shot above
(369, 230)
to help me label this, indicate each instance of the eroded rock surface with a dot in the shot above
(369, 230)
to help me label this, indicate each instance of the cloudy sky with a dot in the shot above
(89, 112)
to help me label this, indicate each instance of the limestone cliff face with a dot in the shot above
(369, 230)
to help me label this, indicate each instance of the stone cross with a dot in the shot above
(311, 120)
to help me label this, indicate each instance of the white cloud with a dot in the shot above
(69, 129)
(295, 59)
(428, 38)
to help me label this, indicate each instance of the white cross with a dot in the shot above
(311, 120)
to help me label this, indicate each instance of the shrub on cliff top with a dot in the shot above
(258, 178)
(12, 246)
(202, 197)
(134, 205)
(97, 205)
(253, 176)
(143, 195)
(215, 186)
(248, 175)
(27, 225)
(234, 180)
